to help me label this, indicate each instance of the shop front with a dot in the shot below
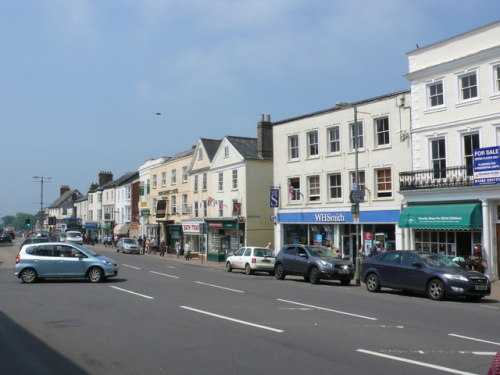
(91, 230)
(194, 233)
(174, 234)
(337, 230)
(223, 237)
(121, 230)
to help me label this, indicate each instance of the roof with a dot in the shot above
(65, 200)
(247, 147)
(125, 179)
(211, 146)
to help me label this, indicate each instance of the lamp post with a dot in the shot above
(41, 179)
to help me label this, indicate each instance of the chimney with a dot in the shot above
(74, 197)
(265, 137)
(105, 177)
(63, 189)
(93, 186)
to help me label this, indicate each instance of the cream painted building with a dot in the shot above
(315, 168)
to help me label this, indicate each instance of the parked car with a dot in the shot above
(419, 271)
(5, 237)
(252, 259)
(74, 236)
(313, 263)
(32, 240)
(62, 260)
(128, 245)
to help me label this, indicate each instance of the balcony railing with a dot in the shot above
(437, 178)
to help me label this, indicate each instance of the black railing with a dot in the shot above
(437, 178)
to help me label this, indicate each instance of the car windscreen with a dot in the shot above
(437, 260)
(73, 234)
(130, 241)
(320, 251)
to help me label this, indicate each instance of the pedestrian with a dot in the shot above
(269, 245)
(116, 239)
(178, 248)
(163, 247)
(148, 245)
(187, 250)
(154, 245)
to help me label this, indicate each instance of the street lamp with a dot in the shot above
(42, 179)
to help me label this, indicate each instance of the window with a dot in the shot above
(313, 188)
(99, 197)
(334, 139)
(312, 143)
(235, 179)
(382, 131)
(173, 208)
(383, 182)
(155, 181)
(195, 184)
(154, 206)
(356, 136)
(200, 154)
(127, 190)
(163, 178)
(470, 142)
(204, 182)
(438, 157)
(173, 177)
(294, 189)
(435, 96)
(226, 151)
(293, 147)
(205, 213)
(468, 86)
(196, 209)
(220, 185)
(496, 73)
(335, 186)
(221, 208)
(185, 174)
(185, 209)
(361, 175)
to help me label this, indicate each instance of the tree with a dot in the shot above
(20, 220)
(8, 220)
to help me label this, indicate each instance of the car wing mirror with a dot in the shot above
(303, 255)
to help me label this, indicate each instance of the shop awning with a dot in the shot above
(462, 216)
(121, 229)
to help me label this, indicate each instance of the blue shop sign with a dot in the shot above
(92, 225)
(338, 217)
(487, 166)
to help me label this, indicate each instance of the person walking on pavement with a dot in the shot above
(143, 244)
(178, 248)
(163, 247)
(187, 250)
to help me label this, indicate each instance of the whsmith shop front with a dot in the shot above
(337, 229)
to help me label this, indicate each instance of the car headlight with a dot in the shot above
(108, 263)
(454, 276)
(345, 266)
(326, 264)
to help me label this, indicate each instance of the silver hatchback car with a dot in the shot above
(62, 260)
(128, 245)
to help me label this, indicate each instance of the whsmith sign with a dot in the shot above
(487, 166)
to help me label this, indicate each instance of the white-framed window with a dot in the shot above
(361, 182)
(220, 182)
(196, 209)
(200, 154)
(220, 203)
(195, 184)
(173, 206)
(312, 143)
(235, 179)
(163, 179)
(496, 78)
(226, 151)
(313, 188)
(334, 139)
(204, 182)
(470, 142)
(356, 131)
(185, 209)
(99, 199)
(127, 191)
(293, 147)
(185, 174)
(173, 177)
(294, 189)
(383, 178)
(155, 181)
(438, 157)
(382, 132)
(467, 84)
(435, 94)
(334, 186)
(205, 209)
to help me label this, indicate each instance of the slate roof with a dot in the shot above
(64, 200)
(211, 146)
(247, 147)
(125, 179)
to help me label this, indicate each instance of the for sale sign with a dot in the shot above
(487, 166)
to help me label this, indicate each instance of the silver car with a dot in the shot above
(74, 236)
(62, 260)
(128, 245)
(252, 259)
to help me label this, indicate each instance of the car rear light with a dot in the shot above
(18, 259)
(254, 260)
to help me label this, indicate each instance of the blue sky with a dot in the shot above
(81, 81)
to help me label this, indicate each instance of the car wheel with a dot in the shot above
(228, 267)
(345, 281)
(435, 289)
(96, 275)
(279, 272)
(306, 278)
(248, 269)
(314, 276)
(372, 283)
(28, 275)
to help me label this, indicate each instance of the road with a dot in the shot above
(163, 316)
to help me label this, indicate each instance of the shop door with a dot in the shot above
(225, 243)
(347, 245)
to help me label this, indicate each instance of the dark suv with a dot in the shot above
(313, 263)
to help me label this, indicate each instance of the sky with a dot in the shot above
(82, 81)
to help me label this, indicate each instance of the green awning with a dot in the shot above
(463, 216)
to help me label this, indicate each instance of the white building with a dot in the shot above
(455, 91)
(315, 168)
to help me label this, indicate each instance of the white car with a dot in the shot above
(128, 245)
(252, 258)
(74, 236)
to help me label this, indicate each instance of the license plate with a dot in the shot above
(481, 287)
(265, 261)
(344, 271)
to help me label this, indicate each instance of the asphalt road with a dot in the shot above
(163, 316)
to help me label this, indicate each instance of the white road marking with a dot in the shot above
(171, 267)
(232, 319)
(383, 326)
(129, 266)
(220, 287)
(129, 291)
(164, 274)
(474, 339)
(490, 307)
(418, 363)
(325, 309)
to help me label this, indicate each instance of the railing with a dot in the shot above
(437, 178)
